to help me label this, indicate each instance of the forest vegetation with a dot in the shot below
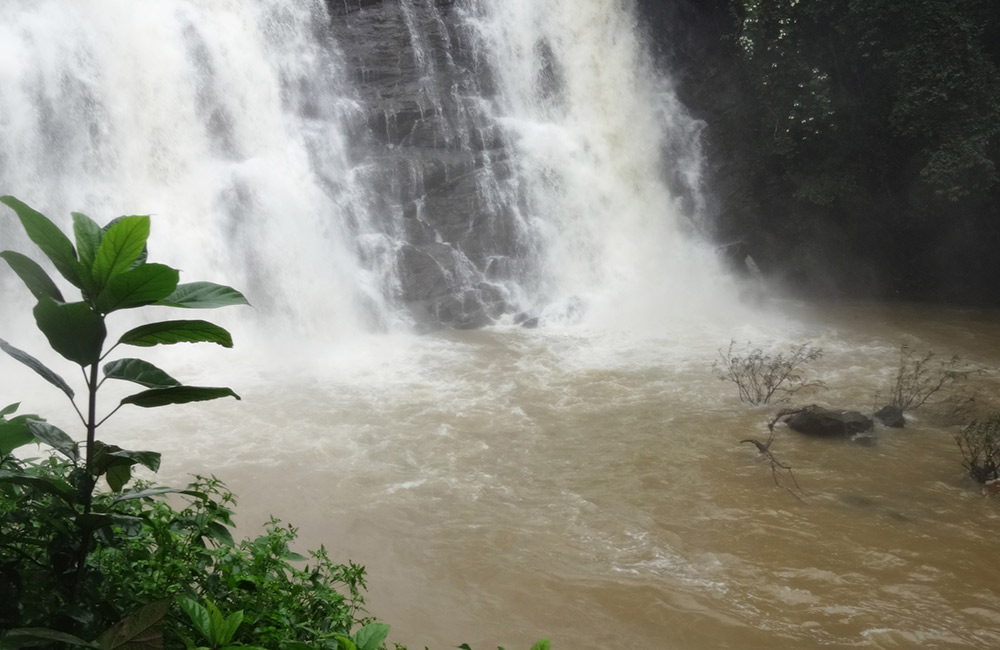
(852, 146)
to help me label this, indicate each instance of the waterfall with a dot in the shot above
(607, 162)
(227, 121)
(367, 166)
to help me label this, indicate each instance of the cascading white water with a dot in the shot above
(225, 120)
(235, 124)
(591, 123)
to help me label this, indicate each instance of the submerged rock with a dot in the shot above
(818, 421)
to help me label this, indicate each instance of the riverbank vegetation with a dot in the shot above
(852, 147)
(137, 566)
(128, 567)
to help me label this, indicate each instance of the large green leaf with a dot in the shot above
(34, 276)
(47, 236)
(140, 372)
(226, 628)
(346, 643)
(74, 330)
(120, 247)
(371, 636)
(199, 616)
(116, 463)
(177, 331)
(143, 285)
(27, 637)
(37, 366)
(15, 433)
(51, 485)
(117, 476)
(203, 295)
(106, 455)
(54, 437)
(88, 239)
(140, 630)
(541, 644)
(177, 395)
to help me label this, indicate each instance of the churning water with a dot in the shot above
(583, 480)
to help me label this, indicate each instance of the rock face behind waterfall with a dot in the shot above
(436, 158)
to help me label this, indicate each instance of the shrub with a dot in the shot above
(979, 443)
(759, 376)
(919, 378)
(78, 564)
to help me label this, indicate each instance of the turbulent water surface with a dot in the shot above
(370, 171)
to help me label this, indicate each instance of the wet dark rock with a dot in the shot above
(530, 323)
(818, 421)
(890, 416)
(424, 276)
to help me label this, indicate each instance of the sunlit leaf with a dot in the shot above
(88, 239)
(120, 247)
(203, 295)
(143, 285)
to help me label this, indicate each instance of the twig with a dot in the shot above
(764, 449)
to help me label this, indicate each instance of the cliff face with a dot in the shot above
(433, 155)
(822, 164)
(445, 138)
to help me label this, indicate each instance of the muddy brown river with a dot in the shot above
(506, 484)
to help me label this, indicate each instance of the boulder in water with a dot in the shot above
(818, 421)
(890, 416)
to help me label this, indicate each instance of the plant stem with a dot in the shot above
(87, 488)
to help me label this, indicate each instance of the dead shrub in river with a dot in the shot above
(759, 376)
(979, 443)
(919, 378)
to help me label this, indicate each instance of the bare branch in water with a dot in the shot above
(764, 449)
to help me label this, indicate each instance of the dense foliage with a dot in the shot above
(853, 145)
(126, 567)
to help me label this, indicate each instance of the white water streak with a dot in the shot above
(591, 121)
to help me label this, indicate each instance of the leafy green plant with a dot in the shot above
(759, 376)
(369, 637)
(108, 268)
(212, 624)
(979, 443)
